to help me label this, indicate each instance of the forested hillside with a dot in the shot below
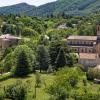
(68, 7)
(16, 9)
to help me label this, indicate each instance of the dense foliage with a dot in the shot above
(44, 48)
(24, 61)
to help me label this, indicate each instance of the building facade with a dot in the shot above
(8, 40)
(87, 47)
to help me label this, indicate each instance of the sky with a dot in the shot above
(32, 2)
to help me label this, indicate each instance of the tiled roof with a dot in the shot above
(88, 56)
(75, 37)
(8, 36)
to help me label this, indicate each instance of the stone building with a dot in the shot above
(87, 47)
(8, 40)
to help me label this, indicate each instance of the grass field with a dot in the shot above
(47, 79)
(40, 94)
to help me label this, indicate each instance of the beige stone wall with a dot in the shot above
(5, 44)
(8, 43)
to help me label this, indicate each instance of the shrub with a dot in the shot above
(97, 73)
(87, 96)
(65, 80)
(1, 96)
(38, 79)
(90, 74)
(16, 91)
(59, 93)
(80, 66)
(8, 62)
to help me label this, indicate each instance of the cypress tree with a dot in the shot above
(23, 61)
(61, 59)
(22, 65)
(43, 58)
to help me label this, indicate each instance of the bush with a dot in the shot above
(16, 92)
(8, 62)
(87, 96)
(66, 79)
(1, 96)
(81, 67)
(97, 73)
(38, 79)
(90, 74)
(59, 93)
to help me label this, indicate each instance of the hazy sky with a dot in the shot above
(32, 2)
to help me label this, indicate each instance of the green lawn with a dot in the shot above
(41, 94)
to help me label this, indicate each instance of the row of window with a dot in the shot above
(85, 50)
(80, 42)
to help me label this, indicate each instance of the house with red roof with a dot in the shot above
(87, 47)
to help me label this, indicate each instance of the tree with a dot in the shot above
(43, 58)
(8, 62)
(53, 51)
(8, 28)
(71, 59)
(6, 51)
(24, 60)
(90, 74)
(22, 65)
(61, 59)
(29, 32)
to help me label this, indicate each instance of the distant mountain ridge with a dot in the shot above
(69, 7)
(20, 8)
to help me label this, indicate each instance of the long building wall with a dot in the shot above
(88, 63)
(82, 46)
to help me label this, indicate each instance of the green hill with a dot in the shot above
(69, 7)
(16, 9)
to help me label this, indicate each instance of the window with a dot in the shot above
(99, 55)
(70, 42)
(82, 50)
(77, 42)
(84, 42)
(89, 51)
